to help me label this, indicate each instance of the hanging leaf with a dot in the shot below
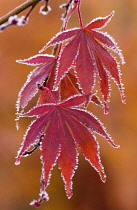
(88, 50)
(64, 127)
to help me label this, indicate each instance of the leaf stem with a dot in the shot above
(66, 17)
(18, 10)
(30, 11)
(79, 14)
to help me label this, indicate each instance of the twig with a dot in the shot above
(26, 153)
(18, 10)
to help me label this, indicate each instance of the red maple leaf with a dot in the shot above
(60, 128)
(88, 51)
(36, 77)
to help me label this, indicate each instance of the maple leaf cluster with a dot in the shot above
(67, 82)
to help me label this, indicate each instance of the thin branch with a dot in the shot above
(18, 10)
(26, 153)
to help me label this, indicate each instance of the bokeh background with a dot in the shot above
(20, 184)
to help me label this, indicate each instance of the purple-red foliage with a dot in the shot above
(67, 83)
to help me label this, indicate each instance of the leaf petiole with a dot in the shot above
(79, 14)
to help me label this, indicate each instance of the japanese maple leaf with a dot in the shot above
(64, 127)
(37, 76)
(88, 50)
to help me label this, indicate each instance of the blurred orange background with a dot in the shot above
(20, 184)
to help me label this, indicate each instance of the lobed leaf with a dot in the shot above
(87, 53)
(64, 129)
